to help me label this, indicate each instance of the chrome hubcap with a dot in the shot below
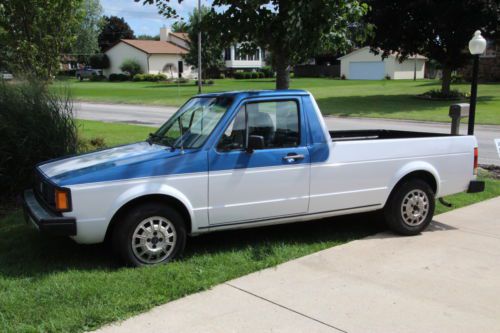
(415, 207)
(154, 240)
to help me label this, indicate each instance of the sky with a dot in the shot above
(145, 19)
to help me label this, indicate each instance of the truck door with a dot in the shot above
(267, 183)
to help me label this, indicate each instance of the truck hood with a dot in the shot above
(130, 161)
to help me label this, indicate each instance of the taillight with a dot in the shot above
(476, 157)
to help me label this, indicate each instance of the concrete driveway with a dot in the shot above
(445, 280)
(156, 115)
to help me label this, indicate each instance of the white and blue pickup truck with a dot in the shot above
(245, 159)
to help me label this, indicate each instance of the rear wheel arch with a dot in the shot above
(163, 199)
(423, 175)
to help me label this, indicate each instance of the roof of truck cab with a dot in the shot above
(257, 93)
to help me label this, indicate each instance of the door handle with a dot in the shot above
(293, 157)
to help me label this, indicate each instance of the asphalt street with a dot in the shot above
(154, 116)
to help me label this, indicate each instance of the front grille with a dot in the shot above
(44, 190)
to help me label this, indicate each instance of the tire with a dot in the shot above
(149, 234)
(410, 207)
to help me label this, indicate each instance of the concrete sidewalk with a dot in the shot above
(445, 280)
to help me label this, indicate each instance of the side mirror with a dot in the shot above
(255, 142)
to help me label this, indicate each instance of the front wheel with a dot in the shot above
(410, 208)
(150, 234)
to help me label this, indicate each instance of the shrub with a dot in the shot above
(260, 75)
(387, 77)
(118, 77)
(342, 77)
(99, 61)
(222, 76)
(131, 66)
(437, 94)
(160, 77)
(254, 75)
(238, 75)
(35, 125)
(205, 82)
(138, 77)
(150, 77)
(268, 71)
(86, 145)
(181, 80)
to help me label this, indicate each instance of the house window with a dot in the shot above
(227, 54)
(257, 54)
(238, 54)
(263, 54)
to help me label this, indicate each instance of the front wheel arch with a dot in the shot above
(166, 200)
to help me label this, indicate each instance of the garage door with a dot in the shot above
(366, 70)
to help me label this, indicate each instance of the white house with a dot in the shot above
(163, 56)
(361, 64)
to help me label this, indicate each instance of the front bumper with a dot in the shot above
(475, 186)
(45, 220)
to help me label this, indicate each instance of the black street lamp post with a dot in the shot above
(477, 45)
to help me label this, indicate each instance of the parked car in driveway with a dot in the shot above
(245, 159)
(87, 72)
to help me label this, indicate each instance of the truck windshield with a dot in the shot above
(193, 123)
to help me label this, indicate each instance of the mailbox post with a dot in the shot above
(457, 112)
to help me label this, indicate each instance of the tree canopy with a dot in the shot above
(180, 26)
(292, 30)
(211, 52)
(36, 33)
(114, 28)
(86, 42)
(438, 29)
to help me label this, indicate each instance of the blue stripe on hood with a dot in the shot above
(125, 162)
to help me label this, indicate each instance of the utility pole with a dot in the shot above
(199, 47)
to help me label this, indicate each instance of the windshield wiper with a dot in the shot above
(155, 138)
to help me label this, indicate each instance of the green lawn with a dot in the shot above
(113, 134)
(51, 284)
(381, 99)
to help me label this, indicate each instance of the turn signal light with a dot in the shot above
(62, 200)
(476, 158)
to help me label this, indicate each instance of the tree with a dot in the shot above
(36, 32)
(148, 37)
(99, 60)
(179, 26)
(292, 30)
(114, 29)
(211, 52)
(438, 29)
(86, 42)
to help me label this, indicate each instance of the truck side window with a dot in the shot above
(276, 121)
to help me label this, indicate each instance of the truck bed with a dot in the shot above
(380, 134)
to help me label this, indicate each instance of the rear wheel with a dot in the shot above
(149, 234)
(410, 208)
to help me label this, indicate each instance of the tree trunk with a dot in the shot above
(282, 73)
(446, 80)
